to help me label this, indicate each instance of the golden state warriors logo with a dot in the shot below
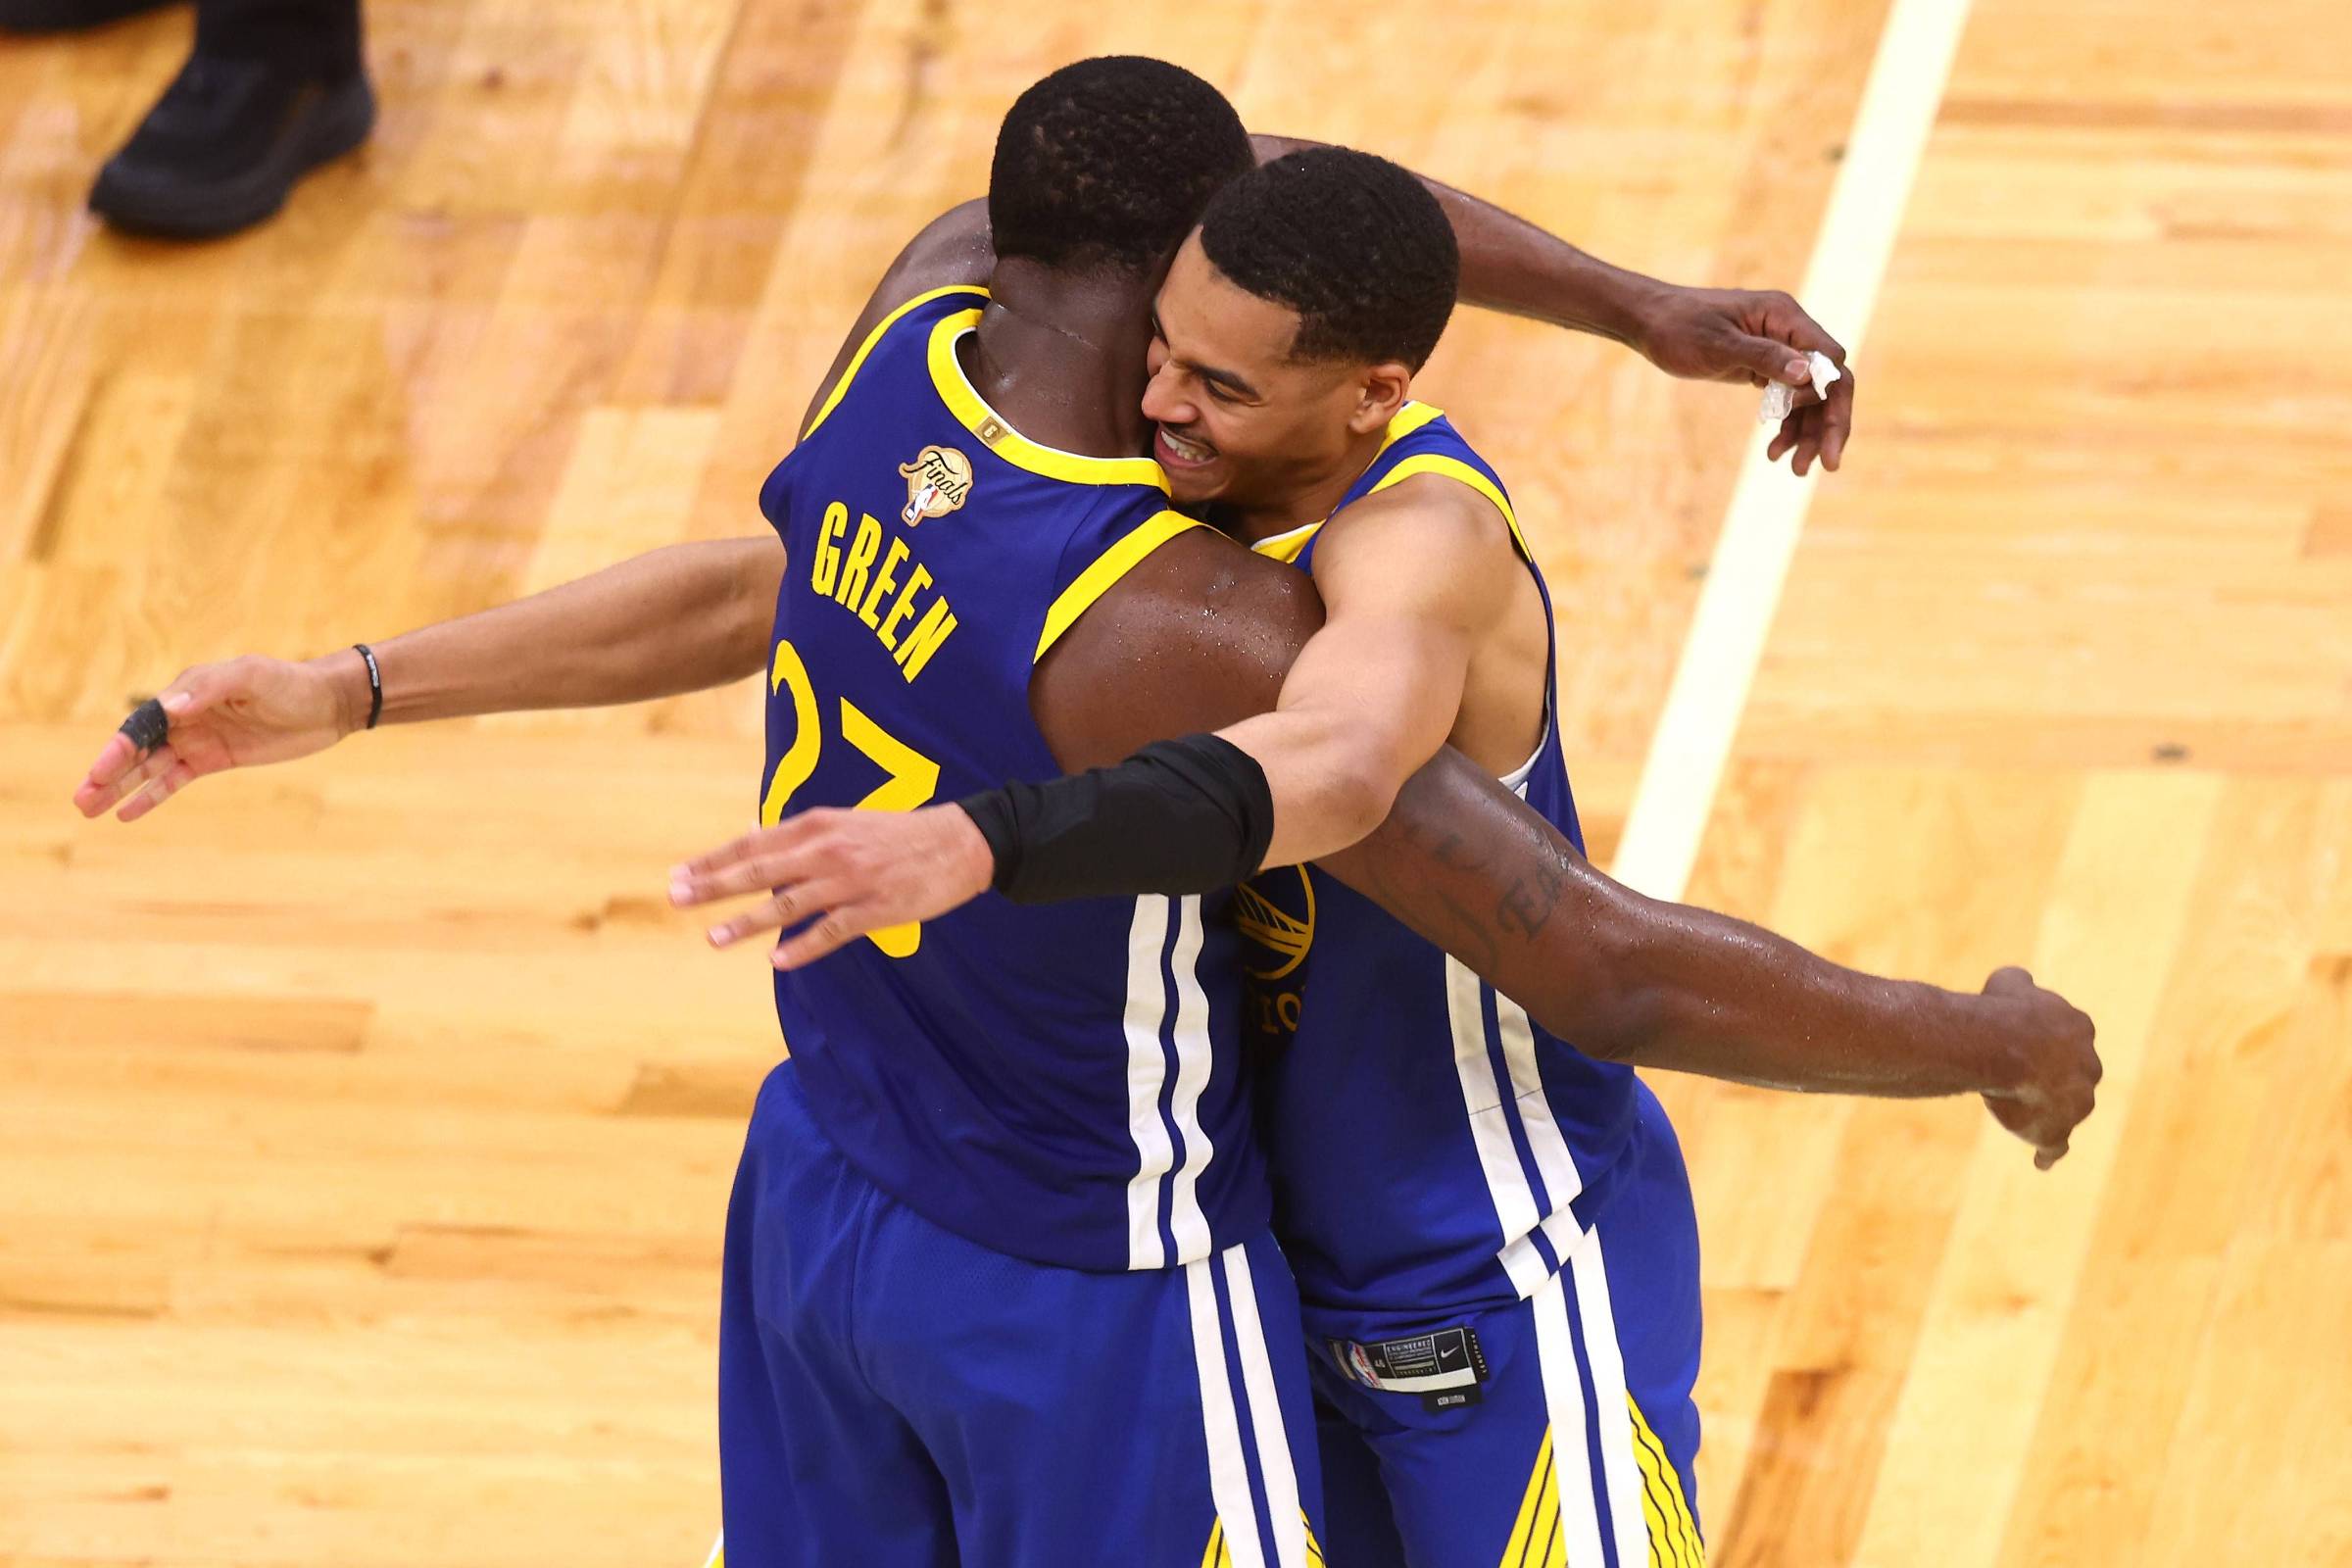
(937, 481)
(1276, 913)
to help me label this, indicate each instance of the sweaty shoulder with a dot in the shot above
(1197, 635)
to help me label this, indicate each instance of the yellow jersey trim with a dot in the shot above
(1412, 417)
(1287, 547)
(972, 411)
(1455, 468)
(1107, 569)
(858, 360)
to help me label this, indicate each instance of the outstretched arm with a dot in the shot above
(1632, 979)
(1706, 334)
(1509, 265)
(1202, 634)
(1465, 863)
(1660, 985)
(673, 620)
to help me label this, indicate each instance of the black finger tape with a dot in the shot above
(147, 725)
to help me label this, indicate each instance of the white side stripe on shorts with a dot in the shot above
(1571, 1452)
(1620, 1472)
(1146, 1071)
(1228, 1470)
(1265, 1413)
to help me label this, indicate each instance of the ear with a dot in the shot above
(1385, 389)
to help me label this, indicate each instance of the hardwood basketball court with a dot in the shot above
(365, 1125)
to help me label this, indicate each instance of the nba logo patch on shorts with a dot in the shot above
(1445, 1367)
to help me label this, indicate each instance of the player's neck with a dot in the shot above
(1309, 495)
(1063, 361)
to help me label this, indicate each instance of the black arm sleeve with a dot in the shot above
(1187, 815)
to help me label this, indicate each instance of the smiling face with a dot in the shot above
(1240, 420)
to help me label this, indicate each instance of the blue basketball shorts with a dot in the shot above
(1558, 1432)
(893, 1396)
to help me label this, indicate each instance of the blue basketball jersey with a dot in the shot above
(1061, 1083)
(1431, 1146)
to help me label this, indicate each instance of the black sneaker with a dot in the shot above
(67, 15)
(224, 146)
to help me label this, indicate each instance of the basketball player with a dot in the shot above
(1446, 1169)
(997, 1284)
(1492, 1231)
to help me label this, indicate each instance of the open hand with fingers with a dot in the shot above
(241, 712)
(2059, 1079)
(1757, 336)
(841, 874)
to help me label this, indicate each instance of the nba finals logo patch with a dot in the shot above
(936, 483)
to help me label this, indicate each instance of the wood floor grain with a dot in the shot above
(365, 1125)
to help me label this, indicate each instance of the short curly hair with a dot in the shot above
(1106, 164)
(1358, 246)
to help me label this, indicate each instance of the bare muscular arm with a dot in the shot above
(671, 620)
(1708, 334)
(1208, 632)
(1410, 579)
(1511, 265)
(1200, 635)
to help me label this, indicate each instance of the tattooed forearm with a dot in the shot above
(1464, 936)
(1454, 852)
(1526, 904)
(1464, 864)
(1531, 886)
(1399, 884)
(1631, 979)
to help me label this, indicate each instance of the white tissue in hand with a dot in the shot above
(1779, 399)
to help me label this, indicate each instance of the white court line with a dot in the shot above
(1679, 780)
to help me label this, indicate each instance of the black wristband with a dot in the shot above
(376, 685)
(1187, 815)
